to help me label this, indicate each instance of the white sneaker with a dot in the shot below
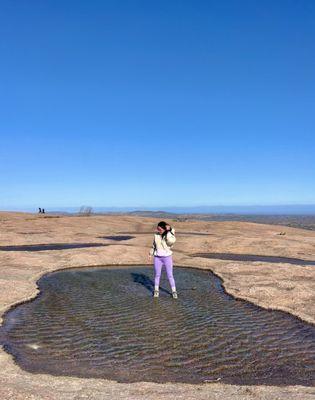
(174, 294)
(156, 293)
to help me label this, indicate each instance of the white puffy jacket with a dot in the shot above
(162, 247)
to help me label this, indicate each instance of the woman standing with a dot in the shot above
(161, 250)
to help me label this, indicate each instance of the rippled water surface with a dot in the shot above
(102, 322)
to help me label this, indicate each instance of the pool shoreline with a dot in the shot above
(115, 267)
(217, 275)
(238, 280)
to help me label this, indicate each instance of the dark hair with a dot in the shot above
(162, 224)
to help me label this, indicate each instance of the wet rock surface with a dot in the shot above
(50, 246)
(118, 237)
(253, 258)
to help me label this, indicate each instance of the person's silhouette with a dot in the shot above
(39, 210)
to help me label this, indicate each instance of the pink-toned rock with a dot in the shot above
(282, 286)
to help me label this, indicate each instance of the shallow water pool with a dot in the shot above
(104, 323)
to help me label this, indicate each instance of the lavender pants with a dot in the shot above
(167, 261)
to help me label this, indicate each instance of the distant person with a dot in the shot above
(39, 210)
(43, 210)
(161, 250)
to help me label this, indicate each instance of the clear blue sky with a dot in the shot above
(148, 103)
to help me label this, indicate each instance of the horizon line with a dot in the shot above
(4, 208)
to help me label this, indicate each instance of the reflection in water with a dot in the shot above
(105, 323)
